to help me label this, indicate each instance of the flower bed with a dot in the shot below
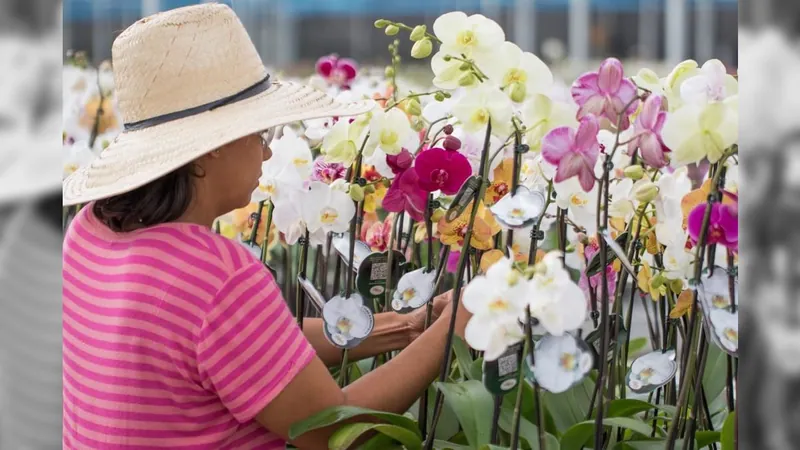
(558, 215)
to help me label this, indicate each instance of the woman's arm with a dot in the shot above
(392, 387)
(392, 332)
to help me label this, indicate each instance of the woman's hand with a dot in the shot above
(442, 307)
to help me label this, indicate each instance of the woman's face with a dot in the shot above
(234, 170)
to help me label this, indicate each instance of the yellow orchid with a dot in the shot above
(242, 224)
(683, 305)
(484, 229)
(501, 185)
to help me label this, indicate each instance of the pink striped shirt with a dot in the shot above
(174, 337)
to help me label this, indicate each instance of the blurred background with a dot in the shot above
(572, 34)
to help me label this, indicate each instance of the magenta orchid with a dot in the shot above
(327, 172)
(593, 283)
(574, 153)
(647, 133)
(723, 225)
(400, 162)
(444, 170)
(405, 195)
(605, 93)
(337, 71)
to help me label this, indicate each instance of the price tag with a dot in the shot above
(501, 375)
(374, 271)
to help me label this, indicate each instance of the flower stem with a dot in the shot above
(387, 305)
(256, 223)
(462, 259)
(299, 293)
(602, 224)
(265, 243)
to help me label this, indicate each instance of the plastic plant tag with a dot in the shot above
(721, 317)
(374, 271)
(312, 292)
(347, 321)
(414, 290)
(519, 209)
(463, 198)
(619, 251)
(501, 375)
(651, 371)
(361, 250)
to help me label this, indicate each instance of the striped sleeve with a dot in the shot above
(250, 346)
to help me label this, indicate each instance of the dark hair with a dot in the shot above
(160, 201)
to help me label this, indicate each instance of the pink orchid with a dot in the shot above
(595, 280)
(337, 71)
(574, 153)
(405, 195)
(400, 162)
(376, 234)
(723, 225)
(605, 93)
(327, 172)
(440, 169)
(647, 133)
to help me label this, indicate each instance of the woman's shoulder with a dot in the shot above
(171, 243)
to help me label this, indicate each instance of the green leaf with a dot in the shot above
(631, 407)
(728, 435)
(381, 442)
(493, 447)
(476, 369)
(338, 414)
(463, 357)
(444, 445)
(570, 407)
(473, 405)
(344, 437)
(582, 434)
(448, 422)
(527, 431)
(636, 345)
(653, 444)
(706, 438)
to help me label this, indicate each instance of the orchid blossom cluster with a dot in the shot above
(543, 200)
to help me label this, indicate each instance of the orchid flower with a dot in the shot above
(405, 195)
(554, 299)
(541, 114)
(711, 83)
(497, 301)
(482, 104)
(474, 36)
(606, 93)
(519, 74)
(288, 218)
(594, 282)
(390, 131)
(696, 131)
(561, 362)
(723, 226)
(279, 177)
(327, 172)
(647, 131)
(342, 142)
(484, 228)
(337, 71)
(574, 153)
(327, 208)
(581, 205)
(442, 170)
(295, 149)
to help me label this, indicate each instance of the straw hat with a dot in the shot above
(188, 81)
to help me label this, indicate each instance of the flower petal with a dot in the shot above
(585, 87)
(557, 144)
(609, 76)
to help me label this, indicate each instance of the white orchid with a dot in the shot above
(475, 36)
(535, 172)
(622, 204)
(328, 209)
(446, 71)
(520, 74)
(647, 79)
(678, 262)
(669, 215)
(472, 147)
(555, 300)
(672, 83)
(482, 104)
(711, 83)
(295, 150)
(561, 362)
(581, 205)
(288, 219)
(390, 131)
(77, 155)
(541, 114)
(347, 319)
(279, 178)
(414, 289)
(497, 301)
(341, 143)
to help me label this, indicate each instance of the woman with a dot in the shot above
(173, 335)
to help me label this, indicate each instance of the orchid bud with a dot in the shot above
(448, 129)
(634, 172)
(417, 125)
(447, 58)
(422, 49)
(646, 192)
(464, 66)
(439, 97)
(437, 215)
(467, 79)
(676, 286)
(517, 92)
(451, 143)
(391, 30)
(356, 192)
(657, 281)
(369, 189)
(389, 71)
(413, 107)
(380, 23)
(418, 33)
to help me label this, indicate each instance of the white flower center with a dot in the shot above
(300, 162)
(268, 188)
(578, 200)
(328, 215)
(344, 325)
(467, 38)
(480, 116)
(515, 76)
(499, 305)
(568, 362)
(388, 137)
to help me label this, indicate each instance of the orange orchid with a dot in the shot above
(483, 231)
(108, 120)
(697, 197)
(243, 221)
(501, 184)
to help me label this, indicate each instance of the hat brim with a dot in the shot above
(136, 158)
